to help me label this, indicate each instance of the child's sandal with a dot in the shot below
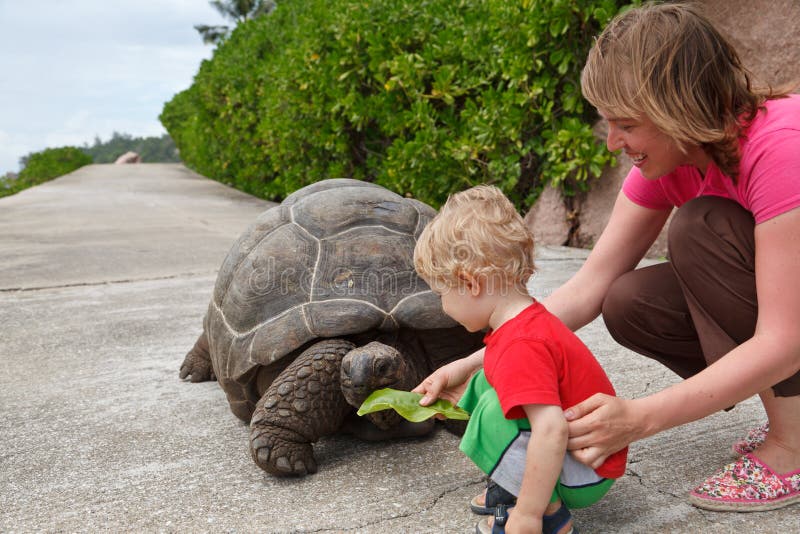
(498, 526)
(493, 496)
(551, 524)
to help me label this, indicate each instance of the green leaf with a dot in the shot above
(407, 405)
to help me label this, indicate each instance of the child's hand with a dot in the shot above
(521, 523)
(447, 382)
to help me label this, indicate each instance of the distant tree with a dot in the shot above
(151, 149)
(235, 10)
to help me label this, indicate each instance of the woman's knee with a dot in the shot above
(700, 226)
(643, 304)
(620, 306)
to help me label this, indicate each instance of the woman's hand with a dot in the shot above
(449, 381)
(602, 425)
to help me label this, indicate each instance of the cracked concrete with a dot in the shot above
(83, 284)
(104, 279)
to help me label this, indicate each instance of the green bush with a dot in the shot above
(43, 166)
(423, 97)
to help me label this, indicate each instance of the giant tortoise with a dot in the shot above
(317, 305)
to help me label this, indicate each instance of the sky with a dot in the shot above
(71, 70)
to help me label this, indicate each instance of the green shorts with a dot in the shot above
(498, 446)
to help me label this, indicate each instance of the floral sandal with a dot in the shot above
(747, 485)
(752, 440)
(493, 496)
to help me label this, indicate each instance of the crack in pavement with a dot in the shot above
(638, 477)
(103, 283)
(418, 511)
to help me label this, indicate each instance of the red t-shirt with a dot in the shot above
(769, 170)
(535, 359)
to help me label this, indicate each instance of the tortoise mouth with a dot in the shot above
(369, 368)
(356, 394)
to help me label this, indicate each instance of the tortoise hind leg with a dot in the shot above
(304, 403)
(197, 362)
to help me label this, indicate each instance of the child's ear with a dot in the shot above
(472, 283)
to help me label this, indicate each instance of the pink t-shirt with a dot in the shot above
(769, 171)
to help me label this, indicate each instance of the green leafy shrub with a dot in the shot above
(43, 166)
(423, 97)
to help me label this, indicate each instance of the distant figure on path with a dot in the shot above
(129, 157)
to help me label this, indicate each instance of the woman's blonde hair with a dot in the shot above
(668, 63)
(477, 232)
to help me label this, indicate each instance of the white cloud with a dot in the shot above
(78, 120)
(74, 70)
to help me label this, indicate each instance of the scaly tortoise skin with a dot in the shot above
(317, 305)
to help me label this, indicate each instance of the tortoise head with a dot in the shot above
(374, 366)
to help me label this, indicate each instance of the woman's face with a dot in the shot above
(652, 151)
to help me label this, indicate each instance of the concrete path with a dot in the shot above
(105, 275)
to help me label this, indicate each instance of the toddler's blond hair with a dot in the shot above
(478, 232)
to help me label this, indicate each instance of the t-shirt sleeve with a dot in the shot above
(526, 373)
(773, 168)
(644, 192)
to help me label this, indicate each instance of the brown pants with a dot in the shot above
(693, 310)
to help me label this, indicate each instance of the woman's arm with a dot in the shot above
(770, 356)
(629, 233)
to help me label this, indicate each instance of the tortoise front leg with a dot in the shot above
(304, 403)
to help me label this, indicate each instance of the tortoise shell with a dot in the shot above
(333, 259)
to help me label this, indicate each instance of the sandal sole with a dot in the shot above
(483, 527)
(734, 506)
(477, 509)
